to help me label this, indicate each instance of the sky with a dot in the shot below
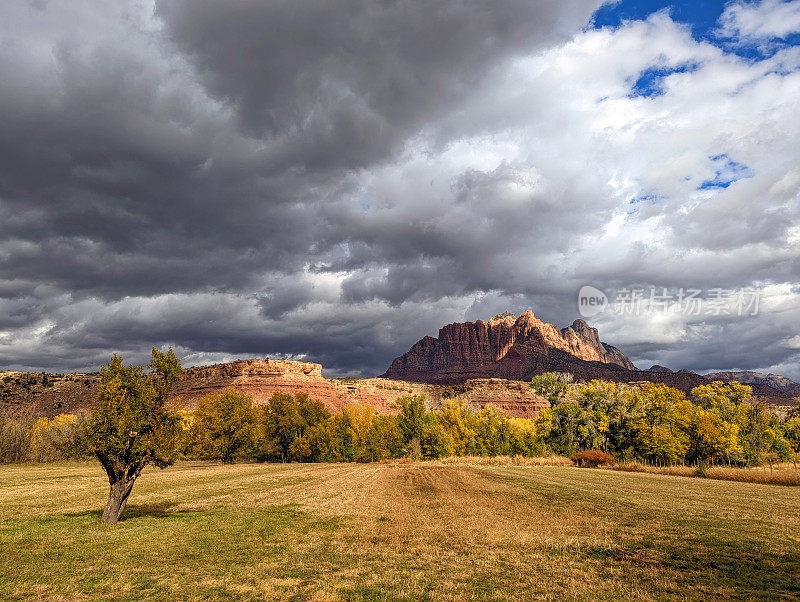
(333, 181)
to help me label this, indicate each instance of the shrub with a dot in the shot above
(15, 439)
(592, 458)
(49, 439)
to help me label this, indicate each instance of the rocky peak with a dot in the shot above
(474, 349)
(756, 379)
(504, 318)
(584, 331)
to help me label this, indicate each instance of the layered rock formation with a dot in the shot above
(506, 346)
(478, 362)
(260, 378)
(37, 394)
(34, 394)
(518, 348)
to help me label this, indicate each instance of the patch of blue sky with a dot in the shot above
(650, 197)
(726, 172)
(702, 17)
(651, 81)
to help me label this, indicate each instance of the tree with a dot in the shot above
(552, 385)
(289, 422)
(791, 432)
(711, 436)
(458, 419)
(413, 420)
(51, 438)
(224, 427)
(132, 425)
(662, 424)
(493, 431)
(727, 399)
(758, 432)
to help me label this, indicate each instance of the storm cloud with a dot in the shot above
(333, 181)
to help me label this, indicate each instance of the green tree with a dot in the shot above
(413, 420)
(289, 421)
(758, 432)
(551, 385)
(224, 427)
(132, 425)
(791, 432)
(352, 436)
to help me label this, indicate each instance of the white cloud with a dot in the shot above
(764, 20)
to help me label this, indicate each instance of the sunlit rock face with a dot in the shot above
(506, 346)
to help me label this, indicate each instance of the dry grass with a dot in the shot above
(448, 530)
(780, 474)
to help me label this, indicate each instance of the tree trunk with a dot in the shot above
(117, 499)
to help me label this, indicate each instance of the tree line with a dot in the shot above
(718, 423)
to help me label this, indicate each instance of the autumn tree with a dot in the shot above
(414, 417)
(132, 425)
(759, 432)
(458, 418)
(661, 425)
(726, 398)
(224, 427)
(791, 432)
(289, 420)
(711, 436)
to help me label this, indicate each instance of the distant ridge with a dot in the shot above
(520, 347)
(776, 381)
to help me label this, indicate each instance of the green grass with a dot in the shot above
(395, 531)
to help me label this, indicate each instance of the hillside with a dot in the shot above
(48, 395)
(775, 381)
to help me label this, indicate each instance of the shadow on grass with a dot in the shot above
(750, 572)
(159, 510)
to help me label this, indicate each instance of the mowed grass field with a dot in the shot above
(411, 531)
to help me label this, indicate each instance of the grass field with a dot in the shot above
(395, 531)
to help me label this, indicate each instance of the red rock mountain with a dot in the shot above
(518, 348)
(478, 362)
(506, 346)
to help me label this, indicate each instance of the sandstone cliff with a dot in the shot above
(35, 394)
(518, 348)
(506, 346)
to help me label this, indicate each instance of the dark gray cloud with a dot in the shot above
(333, 181)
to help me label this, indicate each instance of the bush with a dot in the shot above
(50, 439)
(15, 439)
(592, 458)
